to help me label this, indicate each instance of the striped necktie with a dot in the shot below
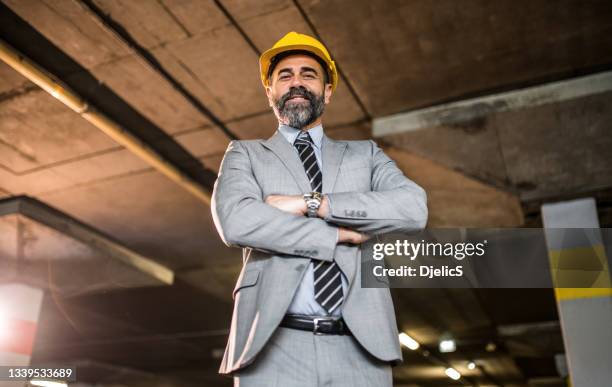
(327, 281)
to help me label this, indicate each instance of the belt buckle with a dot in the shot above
(316, 324)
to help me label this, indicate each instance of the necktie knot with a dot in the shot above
(303, 139)
(306, 152)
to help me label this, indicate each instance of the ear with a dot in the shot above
(269, 95)
(328, 92)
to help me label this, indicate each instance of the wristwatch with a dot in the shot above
(313, 202)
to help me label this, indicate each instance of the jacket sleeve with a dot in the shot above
(395, 204)
(243, 219)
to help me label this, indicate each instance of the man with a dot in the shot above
(300, 203)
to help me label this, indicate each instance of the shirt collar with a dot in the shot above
(291, 133)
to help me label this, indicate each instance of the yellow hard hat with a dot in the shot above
(295, 41)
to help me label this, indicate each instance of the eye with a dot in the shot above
(284, 76)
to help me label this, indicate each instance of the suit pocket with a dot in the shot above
(248, 278)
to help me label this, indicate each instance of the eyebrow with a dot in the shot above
(303, 69)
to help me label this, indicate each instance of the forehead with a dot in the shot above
(295, 62)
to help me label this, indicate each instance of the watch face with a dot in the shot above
(313, 202)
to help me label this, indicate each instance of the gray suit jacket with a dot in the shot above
(367, 192)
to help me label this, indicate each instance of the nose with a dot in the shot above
(296, 82)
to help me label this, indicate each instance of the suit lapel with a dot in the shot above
(332, 152)
(281, 147)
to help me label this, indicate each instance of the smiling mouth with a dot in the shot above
(298, 97)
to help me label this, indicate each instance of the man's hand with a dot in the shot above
(346, 235)
(293, 204)
(323, 208)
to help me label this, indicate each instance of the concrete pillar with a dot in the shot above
(581, 275)
(19, 311)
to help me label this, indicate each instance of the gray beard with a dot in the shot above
(300, 115)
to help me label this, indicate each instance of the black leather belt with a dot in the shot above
(315, 324)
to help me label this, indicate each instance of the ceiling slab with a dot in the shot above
(455, 200)
(150, 94)
(405, 55)
(32, 183)
(69, 27)
(173, 62)
(36, 130)
(150, 23)
(12, 83)
(243, 10)
(259, 126)
(204, 142)
(195, 17)
(75, 172)
(220, 63)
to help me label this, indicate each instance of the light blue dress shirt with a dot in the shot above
(304, 301)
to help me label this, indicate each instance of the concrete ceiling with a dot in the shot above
(183, 77)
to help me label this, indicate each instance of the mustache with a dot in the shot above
(296, 92)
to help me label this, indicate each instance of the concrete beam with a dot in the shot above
(526, 329)
(67, 225)
(470, 109)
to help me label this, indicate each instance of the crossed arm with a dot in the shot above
(295, 204)
(277, 223)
